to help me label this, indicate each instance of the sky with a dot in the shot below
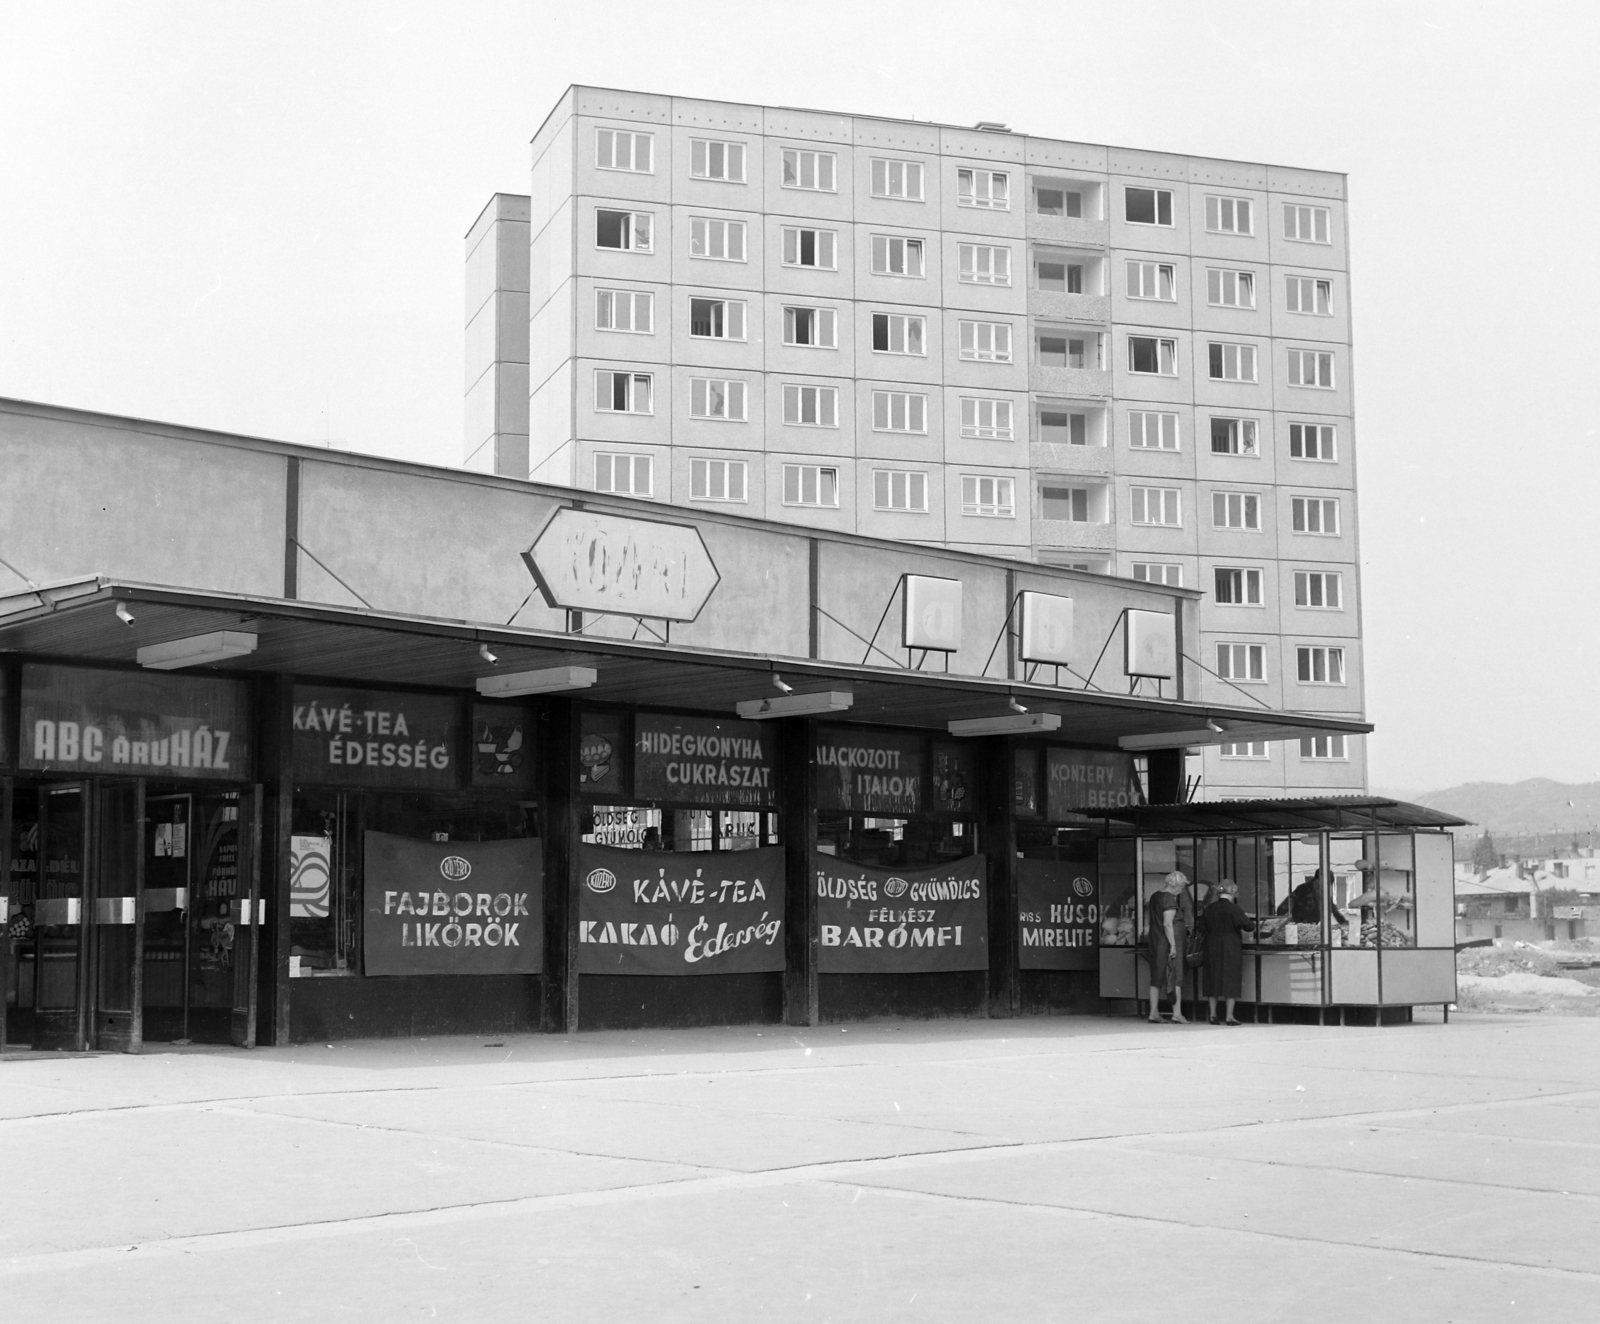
(250, 217)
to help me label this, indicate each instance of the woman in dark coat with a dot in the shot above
(1167, 915)
(1221, 924)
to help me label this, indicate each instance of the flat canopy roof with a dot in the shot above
(78, 622)
(1311, 814)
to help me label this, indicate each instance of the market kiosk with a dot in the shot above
(1353, 897)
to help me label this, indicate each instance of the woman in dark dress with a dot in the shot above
(1221, 924)
(1167, 934)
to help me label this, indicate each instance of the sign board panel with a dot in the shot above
(1150, 644)
(1080, 779)
(1058, 915)
(1046, 629)
(900, 921)
(349, 737)
(453, 907)
(502, 746)
(931, 613)
(84, 720)
(680, 912)
(871, 771)
(602, 747)
(587, 560)
(704, 761)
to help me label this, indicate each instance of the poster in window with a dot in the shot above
(704, 761)
(1058, 915)
(954, 779)
(1082, 779)
(357, 737)
(869, 771)
(310, 876)
(602, 745)
(901, 921)
(453, 907)
(680, 912)
(1025, 798)
(502, 746)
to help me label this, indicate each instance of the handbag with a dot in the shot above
(1195, 955)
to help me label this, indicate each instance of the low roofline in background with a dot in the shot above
(936, 124)
(1302, 814)
(636, 507)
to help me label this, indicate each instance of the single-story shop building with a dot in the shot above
(297, 744)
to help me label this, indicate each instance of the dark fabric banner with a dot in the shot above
(453, 907)
(900, 921)
(1079, 779)
(679, 912)
(350, 737)
(704, 761)
(1058, 914)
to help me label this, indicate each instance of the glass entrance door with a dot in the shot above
(117, 940)
(168, 895)
(47, 849)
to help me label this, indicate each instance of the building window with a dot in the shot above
(986, 342)
(1309, 225)
(1315, 515)
(617, 149)
(1245, 749)
(1063, 429)
(709, 159)
(899, 333)
(717, 398)
(1237, 587)
(712, 238)
(1152, 280)
(1147, 206)
(817, 328)
(1232, 363)
(1067, 351)
(1065, 503)
(985, 417)
(1236, 510)
(900, 489)
(1150, 431)
(1157, 505)
(627, 475)
(899, 411)
(812, 406)
(1320, 665)
(810, 485)
(895, 256)
(1311, 367)
(804, 247)
(1169, 573)
(983, 188)
(1234, 436)
(984, 264)
(627, 230)
(718, 319)
(897, 179)
(1242, 661)
(808, 170)
(624, 310)
(1319, 590)
(622, 392)
(1230, 289)
(1323, 747)
(988, 495)
(1061, 277)
(1058, 202)
(1147, 354)
(717, 480)
(1308, 295)
(1311, 441)
(1229, 215)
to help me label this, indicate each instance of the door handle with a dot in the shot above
(115, 910)
(240, 912)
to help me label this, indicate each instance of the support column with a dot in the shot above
(797, 820)
(997, 822)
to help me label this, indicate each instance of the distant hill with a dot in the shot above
(1535, 806)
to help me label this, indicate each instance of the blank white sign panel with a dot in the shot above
(1152, 645)
(1047, 629)
(932, 614)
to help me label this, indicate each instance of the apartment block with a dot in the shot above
(1126, 362)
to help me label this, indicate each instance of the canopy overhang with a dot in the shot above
(1322, 813)
(78, 621)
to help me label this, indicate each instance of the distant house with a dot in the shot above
(1512, 901)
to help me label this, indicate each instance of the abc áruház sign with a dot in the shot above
(453, 907)
(680, 913)
(78, 719)
(900, 921)
(352, 737)
(1058, 915)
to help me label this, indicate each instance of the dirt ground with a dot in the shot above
(1522, 977)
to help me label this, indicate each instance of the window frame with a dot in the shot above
(1156, 198)
(985, 201)
(634, 378)
(1295, 373)
(977, 430)
(1248, 501)
(977, 353)
(832, 158)
(800, 470)
(1142, 432)
(1159, 271)
(1166, 567)
(1295, 286)
(822, 318)
(727, 307)
(1313, 212)
(703, 385)
(1234, 200)
(1298, 521)
(907, 244)
(1230, 750)
(912, 479)
(1073, 494)
(728, 224)
(1139, 496)
(1246, 436)
(632, 227)
(1328, 432)
(725, 144)
(609, 294)
(799, 232)
(1303, 595)
(968, 274)
(1330, 656)
(635, 136)
(1248, 577)
(1217, 355)
(705, 464)
(1336, 743)
(822, 393)
(977, 508)
(1164, 345)
(634, 458)
(905, 322)
(1254, 655)
(910, 407)
(904, 162)
(1243, 280)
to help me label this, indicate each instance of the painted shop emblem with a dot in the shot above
(600, 881)
(1082, 886)
(455, 868)
(895, 887)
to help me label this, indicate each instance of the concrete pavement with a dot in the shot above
(1039, 1170)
